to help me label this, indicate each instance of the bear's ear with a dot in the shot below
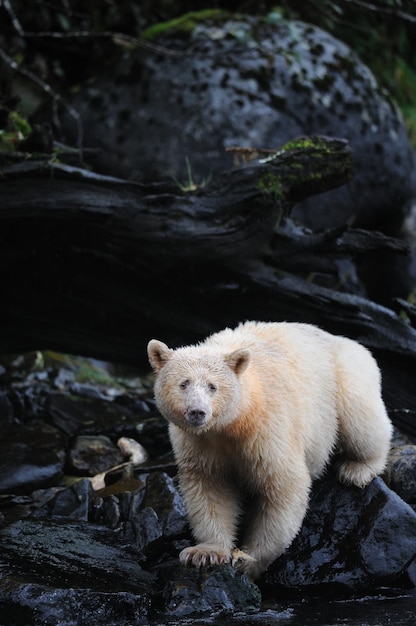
(238, 360)
(158, 353)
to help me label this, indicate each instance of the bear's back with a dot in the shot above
(285, 338)
(284, 357)
(292, 379)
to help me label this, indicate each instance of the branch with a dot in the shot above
(56, 97)
(406, 17)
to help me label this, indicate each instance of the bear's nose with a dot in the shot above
(196, 417)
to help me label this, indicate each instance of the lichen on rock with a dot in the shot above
(248, 81)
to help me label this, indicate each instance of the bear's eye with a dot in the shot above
(212, 387)
(184, 384)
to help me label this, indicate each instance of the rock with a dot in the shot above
(32, 456)
(191, 592)
(401, 472)
(81, 415)
(34, 604)
(350, 538)
(68, 573)
(75, 502)
(247, 82)
(54, 562)
(111, 557)
(87, 415)
(92, 455)
(162, 517)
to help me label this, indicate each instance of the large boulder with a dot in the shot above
(351, 538)
(63, 572)
(249, 82)
(32, 456)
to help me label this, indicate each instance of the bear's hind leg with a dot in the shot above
(360, 473)
(364, 426)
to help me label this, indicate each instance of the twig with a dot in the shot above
(116, 37)
(56, 97)
(13, 17)
(407, 17)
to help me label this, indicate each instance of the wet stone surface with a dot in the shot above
(401, 473)
(212, 589)
(350, 538)
(32, 456)
(92, 455)
(77, 551)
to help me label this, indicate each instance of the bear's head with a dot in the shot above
(197, 388)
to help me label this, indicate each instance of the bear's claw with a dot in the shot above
(204, 554)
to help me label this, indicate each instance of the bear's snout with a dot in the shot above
(195, 416)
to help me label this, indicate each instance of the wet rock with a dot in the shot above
(247, 82)
(71, 573)
(32, 456)
(83, 415)
(191, 592)
(111, 557)
(390, 606)
(33, 604)
(401, 472)
(152, 515)
(87, 415)
(75, 502)
(82, 389)
(163, 497)
(350, 538)
(90, 455)
(23, 402)
(6, 407)
(161, 518)
(59, 568)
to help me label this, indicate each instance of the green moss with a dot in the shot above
(89, 373)
(305, 143)
(16, 131)
(272, 185)
(19, 124)
(186, 22)
(84, 370)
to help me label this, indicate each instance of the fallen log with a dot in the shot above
(233, 215)
(95, 265)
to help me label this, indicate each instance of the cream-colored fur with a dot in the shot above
(255, 414)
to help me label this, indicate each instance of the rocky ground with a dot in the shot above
(92, 521)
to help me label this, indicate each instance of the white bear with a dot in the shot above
(257, 412)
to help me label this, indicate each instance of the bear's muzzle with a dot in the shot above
(195, 416)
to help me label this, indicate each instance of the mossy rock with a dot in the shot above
(216, 81)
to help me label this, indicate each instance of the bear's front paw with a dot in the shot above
(204, 554)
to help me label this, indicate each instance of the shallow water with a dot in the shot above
(395, 607)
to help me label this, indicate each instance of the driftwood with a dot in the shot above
(96, 265)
